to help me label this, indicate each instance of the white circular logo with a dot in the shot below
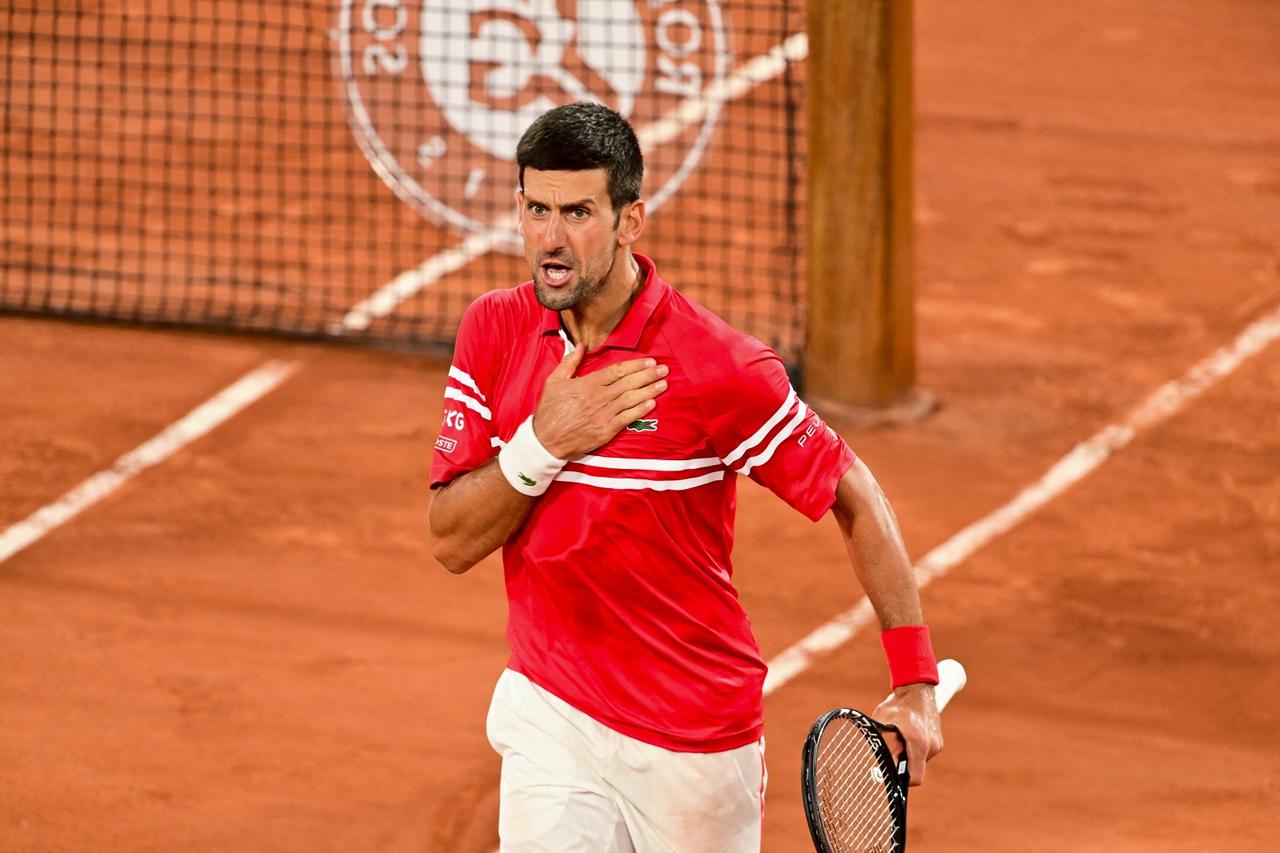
(440, 93)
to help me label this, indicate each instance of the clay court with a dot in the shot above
(247, 646)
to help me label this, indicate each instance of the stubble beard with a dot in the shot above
(584, 289)
(559, 300)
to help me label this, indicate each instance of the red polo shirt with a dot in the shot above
(620, 581)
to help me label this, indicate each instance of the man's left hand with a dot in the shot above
(914, 711)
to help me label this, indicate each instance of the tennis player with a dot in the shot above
(596, 423)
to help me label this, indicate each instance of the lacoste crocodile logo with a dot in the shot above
(644, 425)
(527, 481)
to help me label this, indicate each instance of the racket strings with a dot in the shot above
(851, 782)
(855, 807)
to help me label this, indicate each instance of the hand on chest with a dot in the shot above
(671, 430)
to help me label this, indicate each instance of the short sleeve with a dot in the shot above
(761, 428)
(467, 438)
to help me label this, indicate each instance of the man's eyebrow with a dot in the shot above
(589, 201)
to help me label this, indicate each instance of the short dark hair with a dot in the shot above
(577, 137)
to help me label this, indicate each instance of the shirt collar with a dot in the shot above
(626, 335)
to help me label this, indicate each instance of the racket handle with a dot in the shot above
(951, 680)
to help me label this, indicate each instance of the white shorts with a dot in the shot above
(571, 784)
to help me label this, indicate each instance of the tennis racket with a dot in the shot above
(855, 791)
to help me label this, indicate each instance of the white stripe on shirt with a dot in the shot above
(767, 454)
(622, 463)
(634, 483)
(465, 379)
(474, 405)
(760, 434)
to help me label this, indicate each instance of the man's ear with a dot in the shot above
(519, 209)
(631, 222)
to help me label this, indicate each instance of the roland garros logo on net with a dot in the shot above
(440, 91)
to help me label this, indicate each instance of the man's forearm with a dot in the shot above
(474, 515)
(880, 560)
(876, 550)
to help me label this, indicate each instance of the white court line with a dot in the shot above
(691, 111)
(199, 421)
(388, 297)
(1167, 400)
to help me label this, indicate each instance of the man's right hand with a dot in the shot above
(577, 414)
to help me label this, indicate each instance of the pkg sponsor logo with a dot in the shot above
(440, 91)
(448, 445)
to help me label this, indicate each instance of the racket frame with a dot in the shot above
(951, 680)
(894, 779)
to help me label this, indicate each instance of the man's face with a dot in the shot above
(570, 240)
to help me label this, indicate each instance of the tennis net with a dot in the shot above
(345, 169)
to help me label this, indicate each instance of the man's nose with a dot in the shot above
(553, 235)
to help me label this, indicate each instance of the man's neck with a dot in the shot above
(591, 322)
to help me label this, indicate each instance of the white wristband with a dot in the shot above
(526, 464)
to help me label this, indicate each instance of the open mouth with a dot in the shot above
(555, 272)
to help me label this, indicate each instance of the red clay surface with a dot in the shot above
(249, 648)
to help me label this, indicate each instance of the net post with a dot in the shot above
(859, 355)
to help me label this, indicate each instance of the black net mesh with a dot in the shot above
(346, 168)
